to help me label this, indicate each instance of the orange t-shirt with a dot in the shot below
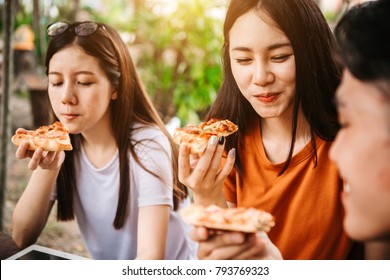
(305, 200)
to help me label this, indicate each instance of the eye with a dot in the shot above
(280, 58)
(344, 125)
(85, 83)
(243, 60)
(56, 84)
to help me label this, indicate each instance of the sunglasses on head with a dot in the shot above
(85, 28)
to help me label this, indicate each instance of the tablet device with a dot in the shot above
(37, 252)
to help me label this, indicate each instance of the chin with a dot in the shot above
(364, 232)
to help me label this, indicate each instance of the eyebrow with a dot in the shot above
(271, 47)
(77, 73)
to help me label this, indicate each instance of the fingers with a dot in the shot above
(204, 174)
(222, 246)
(237, 246)
(184, 163)
(192, 174)
(23, 152)
(58, 159)
(215, 153)
(255, 249)
(204, 163)
(51, 160)
(39, 157)
(228, 166)
(194, 158)
(44, 159)
(35, 159)
(199, 234)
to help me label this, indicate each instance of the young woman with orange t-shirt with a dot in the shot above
(279, 84)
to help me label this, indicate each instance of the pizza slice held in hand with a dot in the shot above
(197, 136)
(233, 219)
(53, 137)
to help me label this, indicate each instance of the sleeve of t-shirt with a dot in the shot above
(155, 155)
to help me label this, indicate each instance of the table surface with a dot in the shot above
(8, 246)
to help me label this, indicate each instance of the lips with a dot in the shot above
(267, 98)
(69, 116)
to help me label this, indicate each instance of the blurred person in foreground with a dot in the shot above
(362, 146)
(361, 149)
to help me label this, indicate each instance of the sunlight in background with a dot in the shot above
(164, 7)
(168, 7)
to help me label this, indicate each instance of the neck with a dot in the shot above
(99, 147)
(276, 136)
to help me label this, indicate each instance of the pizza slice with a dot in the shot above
(197, 136)
(54, 137)
(234, 219)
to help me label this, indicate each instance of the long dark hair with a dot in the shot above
(364, 45)
(132, 105)
(317, 74)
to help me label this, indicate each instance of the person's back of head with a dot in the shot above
(364, 41)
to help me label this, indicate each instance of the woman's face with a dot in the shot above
(362, 153)
(80, 92)
(263, 65)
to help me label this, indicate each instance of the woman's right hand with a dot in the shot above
(204, 175)
(44, 159)
(229, 245)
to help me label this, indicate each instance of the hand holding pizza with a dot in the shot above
(45, 145)
(39, 157)
(231, 233)
(200, 157)
(230, 245)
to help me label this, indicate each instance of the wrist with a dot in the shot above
(207, 200)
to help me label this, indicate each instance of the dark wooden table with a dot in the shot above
(7, 246)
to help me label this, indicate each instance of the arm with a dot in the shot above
(205, 175)
(152, 232)
(226, 245)
(33, 208)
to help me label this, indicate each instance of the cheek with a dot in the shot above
(286, 72)
(54, 100)
(241, 75)
(369, 206)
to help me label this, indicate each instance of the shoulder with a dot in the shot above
(148, 136)
(141, 131)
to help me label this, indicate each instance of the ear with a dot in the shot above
(114, 94)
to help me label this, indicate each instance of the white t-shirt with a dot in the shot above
(96, 200)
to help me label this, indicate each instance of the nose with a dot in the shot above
(262, 74)
(68, 94)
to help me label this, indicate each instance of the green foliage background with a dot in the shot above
(177, 52)
(182, 70)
